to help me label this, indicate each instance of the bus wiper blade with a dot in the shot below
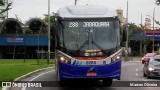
(99, 47)
(86, 42)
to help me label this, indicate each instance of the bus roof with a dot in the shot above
(86, 11)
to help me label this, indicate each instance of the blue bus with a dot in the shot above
(88, 43)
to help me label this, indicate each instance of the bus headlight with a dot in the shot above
(117, 57)
(64, 59)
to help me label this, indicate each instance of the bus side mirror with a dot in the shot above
(54, 30)
(124, 35)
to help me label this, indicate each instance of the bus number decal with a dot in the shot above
(104, 62)
(90, 62)
(73, 24)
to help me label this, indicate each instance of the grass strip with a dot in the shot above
(11, 69)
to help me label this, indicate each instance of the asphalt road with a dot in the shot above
(131, 71)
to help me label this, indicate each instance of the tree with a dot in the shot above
(52, 21)
(52, 18)
(7, 8)
(52, 28)
(1, 2)
(136, 35)
(158, 2)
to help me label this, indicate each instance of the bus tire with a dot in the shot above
(107, 82)
(61, 83)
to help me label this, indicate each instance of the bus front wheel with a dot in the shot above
(107, 82)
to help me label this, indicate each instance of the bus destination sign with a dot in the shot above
(89, 24)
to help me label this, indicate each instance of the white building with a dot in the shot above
(120, 16)
(148, 23)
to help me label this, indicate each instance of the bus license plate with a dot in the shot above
(91, 74)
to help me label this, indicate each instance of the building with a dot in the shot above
(147, 23)
(150, 35)
(18, 40)
(120, 16)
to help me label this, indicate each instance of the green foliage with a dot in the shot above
(1, 2)
(52, 19)
(134, 27)
(11, 69)
(157, 22)
(137, 35)
(52, 22)
(28, 31)
(158, 2)
(135, 30)
(43, 31)
(8, 7)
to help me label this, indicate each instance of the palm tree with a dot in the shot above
(158, 2)
(1, 2)
(7, 8)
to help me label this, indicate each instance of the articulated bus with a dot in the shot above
(88, 43)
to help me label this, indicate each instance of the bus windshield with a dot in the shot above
(90, 35)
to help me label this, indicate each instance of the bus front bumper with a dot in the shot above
(67, 71)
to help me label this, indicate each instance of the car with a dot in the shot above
(147, 56)
(152, 67)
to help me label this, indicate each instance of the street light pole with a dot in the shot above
(153, 27)
(48, 32)
(126, 51)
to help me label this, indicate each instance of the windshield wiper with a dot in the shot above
(86, 42)
(99, 47)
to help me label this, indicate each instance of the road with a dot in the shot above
(131, 71)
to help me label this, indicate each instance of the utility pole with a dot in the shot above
(126, 52)
(141, 19)
(75, 2)
(153, 27)
(48, 32)
(140, 43)
(153, 17)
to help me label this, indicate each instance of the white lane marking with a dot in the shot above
(136, 74)
(136, 69)
(24, 88)
(17, 79)
(4, 88)
(144, 79)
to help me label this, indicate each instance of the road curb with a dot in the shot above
(28, 74)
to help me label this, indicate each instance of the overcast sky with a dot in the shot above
(26, 9)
